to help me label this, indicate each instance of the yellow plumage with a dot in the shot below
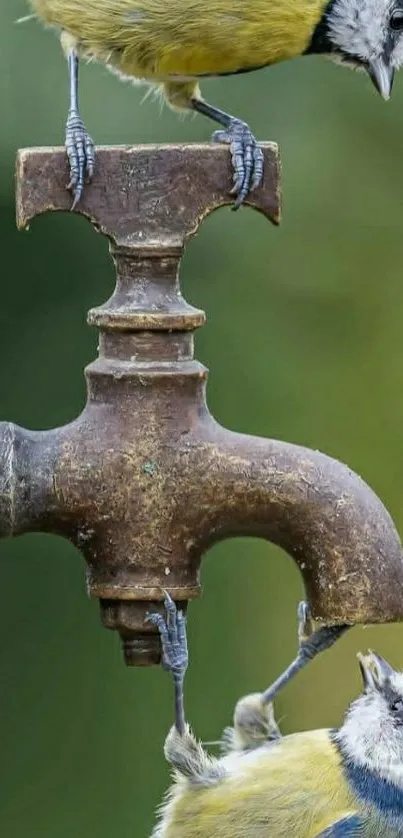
(159, 39)
(344, 783)
(172, 44)
(292, 788)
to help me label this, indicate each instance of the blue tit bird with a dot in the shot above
(173, 44)
(332, 783)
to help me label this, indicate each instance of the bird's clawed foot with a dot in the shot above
(173, 638)
(247, 158)
(81, 154)
(312, 642)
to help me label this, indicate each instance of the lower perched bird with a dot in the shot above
(175, 43)
(343, 783)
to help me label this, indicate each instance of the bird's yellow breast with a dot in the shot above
(158, 39)
(291, 788)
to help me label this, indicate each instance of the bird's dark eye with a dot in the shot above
(396, 20)
(397, 706)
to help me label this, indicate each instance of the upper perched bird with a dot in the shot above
(343, 783)
(175, 43)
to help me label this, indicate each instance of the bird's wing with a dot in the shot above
(349, 825)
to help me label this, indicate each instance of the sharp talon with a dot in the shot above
(77, 197)
(236, 187)
(303, 609)
(313, 641)
(168, 601)
(305, 623)
(304, 613)
(247, 158)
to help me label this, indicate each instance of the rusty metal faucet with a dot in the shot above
(145, 479)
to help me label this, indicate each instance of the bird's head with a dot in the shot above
(372, 733)
(365, 34)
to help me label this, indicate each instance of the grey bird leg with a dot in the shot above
(79, 145)
(174, 652)
(247, 156)
(311, 643)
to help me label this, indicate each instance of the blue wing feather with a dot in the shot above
(351, 826)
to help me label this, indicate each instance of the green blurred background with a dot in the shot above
(304, 343)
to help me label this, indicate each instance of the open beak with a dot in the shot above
(374, 670)
(381, 75)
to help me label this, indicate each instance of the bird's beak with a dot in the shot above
(374, 670)
(366, 672)
(381, 74)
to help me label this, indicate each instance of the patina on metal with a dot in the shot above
(145, 480)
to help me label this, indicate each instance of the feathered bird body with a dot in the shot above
(162, 39)
(340, 783)
(300, 786)
(174, 43)
(286, 789)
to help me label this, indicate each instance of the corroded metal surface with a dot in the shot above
(145, 479)
(151, 195)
